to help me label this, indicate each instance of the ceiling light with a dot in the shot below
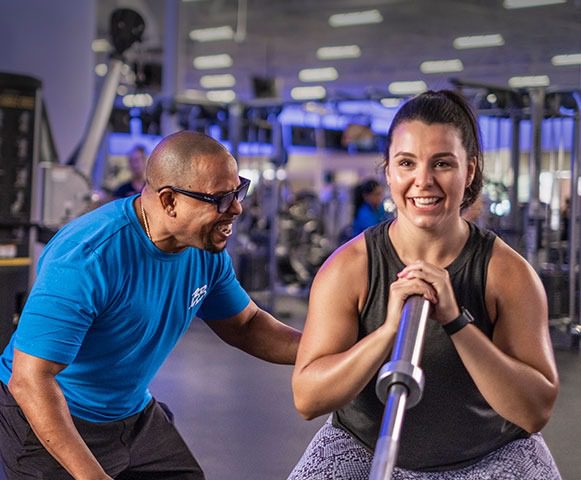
(101, 69)
(529, 81)
(333, 53)
(308, 93)
(100, 45)
(479, 41)
(355, 18)
(318, 74)
(225, 96)
(388, 102)
(407, 88)
(212, 34)
(491, 98)
(208, 62)
(217, 81)
(138, 100)
(441, 66)
(529, 3)
(193, 94)
(570, 59)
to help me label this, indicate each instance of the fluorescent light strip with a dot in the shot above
(193, 94)
(333, 53)
(569, 59)
(225, 96)
(138, 100)
(208, 62)
(529, 81)
(509, 4)
(100, 45)
(212, 34)
(308, 93)
(355, 18)
(441, 66)
(318, 74)
(479, 41)
(218, 81)
(388, 102)
(407, 88)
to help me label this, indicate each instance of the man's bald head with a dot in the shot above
(178, 156)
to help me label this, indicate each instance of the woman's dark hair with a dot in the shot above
(361, 190)
(449, 108)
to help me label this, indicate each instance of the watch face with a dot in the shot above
(467, 314)
(459, 323)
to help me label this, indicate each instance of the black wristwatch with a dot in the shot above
(458, 323)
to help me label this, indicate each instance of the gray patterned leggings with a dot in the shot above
(334, 455)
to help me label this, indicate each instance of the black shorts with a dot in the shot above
(143, 446)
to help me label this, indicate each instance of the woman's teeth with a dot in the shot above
(425, 201)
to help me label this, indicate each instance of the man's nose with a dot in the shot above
(235, 207)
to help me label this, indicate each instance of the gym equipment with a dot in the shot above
(37, 193)
(25, 142)
(400, 383)
(535, 226)
(126, 28)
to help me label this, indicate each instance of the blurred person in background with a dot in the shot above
(137, 160)
(368, 209)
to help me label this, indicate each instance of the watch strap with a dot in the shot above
(458, 323)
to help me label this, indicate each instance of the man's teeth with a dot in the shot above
(425, 201)
(225, 229)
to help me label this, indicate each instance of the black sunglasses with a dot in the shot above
(222, 201)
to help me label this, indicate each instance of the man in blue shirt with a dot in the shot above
(116, 289)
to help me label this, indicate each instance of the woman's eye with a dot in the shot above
(441, 164)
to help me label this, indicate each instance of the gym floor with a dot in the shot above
(236, 412)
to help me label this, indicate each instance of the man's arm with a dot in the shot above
(258, 333)
(33, 385)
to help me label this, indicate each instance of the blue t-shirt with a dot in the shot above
(111, 306)
(367, 216)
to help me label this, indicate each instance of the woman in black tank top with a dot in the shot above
(490, 384)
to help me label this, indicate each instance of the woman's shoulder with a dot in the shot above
(349, 261)
(343, 277)
(508, 271)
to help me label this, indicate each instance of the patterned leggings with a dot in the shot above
(334, 455)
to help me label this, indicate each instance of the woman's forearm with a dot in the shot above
(331, 381)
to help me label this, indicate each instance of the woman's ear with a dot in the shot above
(471, 171)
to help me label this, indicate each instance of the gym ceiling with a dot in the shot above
(276, 39)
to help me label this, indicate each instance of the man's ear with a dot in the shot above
(168, 201)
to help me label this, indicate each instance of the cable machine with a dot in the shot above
(545, 206)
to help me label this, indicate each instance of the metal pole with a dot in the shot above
(534, 214)
(170, 73)
(575, 317)
(515, 216)
(400, 383)
(96, 130)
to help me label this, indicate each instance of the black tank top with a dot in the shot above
(453, 425)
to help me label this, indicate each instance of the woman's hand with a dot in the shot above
(399, 291)
(445, 305)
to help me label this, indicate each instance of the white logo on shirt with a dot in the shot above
(198, 295)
